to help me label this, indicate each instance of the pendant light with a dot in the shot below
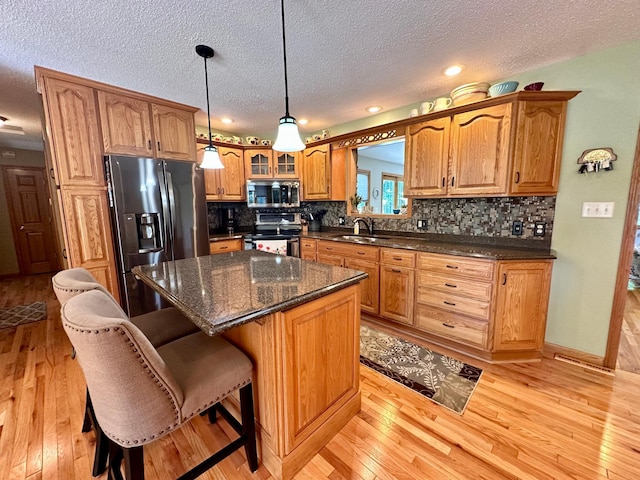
(210, 159)
(288, 136)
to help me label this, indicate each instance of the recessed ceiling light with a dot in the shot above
(226, 120)
(303, 121)
(374, 109)
(2, 120)
(453, 70)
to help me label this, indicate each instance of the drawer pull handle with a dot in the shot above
(517, 177)
(504, 278)
(448, 326)
(396, 271)
(449, 285)
(329, 248)
(223, 248)
(397, 258)
(449, 303)
(452, 266)
(362, 253)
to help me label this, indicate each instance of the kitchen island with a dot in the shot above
(298, 321)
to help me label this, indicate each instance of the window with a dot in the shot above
(392, 193)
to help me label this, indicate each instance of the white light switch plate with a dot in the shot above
(597, 209)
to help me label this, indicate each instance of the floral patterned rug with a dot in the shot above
(445, 380)
(14, 316)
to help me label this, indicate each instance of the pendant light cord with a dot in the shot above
(206, 82)
(284, 49)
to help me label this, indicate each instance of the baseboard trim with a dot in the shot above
(551, 350)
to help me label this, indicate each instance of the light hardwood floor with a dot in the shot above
(546, 420)
(629, 351)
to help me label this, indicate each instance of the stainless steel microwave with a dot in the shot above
(273, 193)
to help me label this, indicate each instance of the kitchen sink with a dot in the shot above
(362, 238)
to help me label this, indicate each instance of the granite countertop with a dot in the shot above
(222, 291)
(447, 246)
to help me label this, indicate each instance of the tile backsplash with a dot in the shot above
(474, 217)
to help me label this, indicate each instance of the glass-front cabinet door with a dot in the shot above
(258, 163)
(286, 164)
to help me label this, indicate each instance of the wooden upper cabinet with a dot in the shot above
(258, 163)
(286, 164)
(134, 126)
(316, 173)
(538, 148)
(521, 305)
(480, 151)
(232, 182)
(174, 131)
(427, 157)
(126, 124)
(73, 133)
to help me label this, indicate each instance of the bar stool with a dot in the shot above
(141, 393)
(160, 327)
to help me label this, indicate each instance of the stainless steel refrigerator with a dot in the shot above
(159, 213)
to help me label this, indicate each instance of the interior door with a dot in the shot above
(31, 220)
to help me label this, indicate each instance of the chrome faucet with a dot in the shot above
(364, 222)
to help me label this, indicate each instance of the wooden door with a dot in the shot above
(231, 177)
(126, 124)
(258, 163)
(73, 133)
(369, 297)
(480, 142)
(90, 244)
(286, 164)
(316, 171)
(31, 219)
(427, 158)
(397, 293)
(174, 131)
(521, 305)
(538, 148)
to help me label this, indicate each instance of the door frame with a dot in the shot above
(624, 264)
(15, 231)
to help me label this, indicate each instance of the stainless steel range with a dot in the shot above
(276, 228)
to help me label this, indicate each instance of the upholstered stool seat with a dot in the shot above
(141, 393)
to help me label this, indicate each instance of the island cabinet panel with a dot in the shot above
(316, 173)
(73, 133)
(480, 151)
(427, 157)
(521, 305)
(538, 148)
(126, 124)
(174, 130)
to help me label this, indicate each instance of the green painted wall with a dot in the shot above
(605, 114)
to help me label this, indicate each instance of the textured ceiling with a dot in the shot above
(343, 55)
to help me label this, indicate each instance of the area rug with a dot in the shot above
(14, 316)
(445, 380)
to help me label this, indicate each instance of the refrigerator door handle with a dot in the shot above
(172, 202)
(168, 238)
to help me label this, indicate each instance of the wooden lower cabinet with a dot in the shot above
(370, 296)
(224, 246)
(308, 249)
(397, 284)
(306, 377)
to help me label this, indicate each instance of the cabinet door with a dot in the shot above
(286, 164)
(427, 157)
(369, 296)
(538, 148)
(316, 180)
(396, 293)
(521, 305)
(211, 178)
(231, 177)
(88, 232)
(258, 163)
(73, 133)
(126, 124)
(330, 260)
(174, 131)
(480, 142)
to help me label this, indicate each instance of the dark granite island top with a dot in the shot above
(222, 291)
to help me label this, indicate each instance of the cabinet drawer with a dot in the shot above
(452, 326)
(452, 265)
(308, 245)
(363, 252)
(394, 256)
(222, 246)
(453, 284)
(454, 303)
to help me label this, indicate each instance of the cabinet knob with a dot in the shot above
(517, 177)
(149, 144)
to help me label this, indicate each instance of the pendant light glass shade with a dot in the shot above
(210, 159)
(288, 139)
(288, 136)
